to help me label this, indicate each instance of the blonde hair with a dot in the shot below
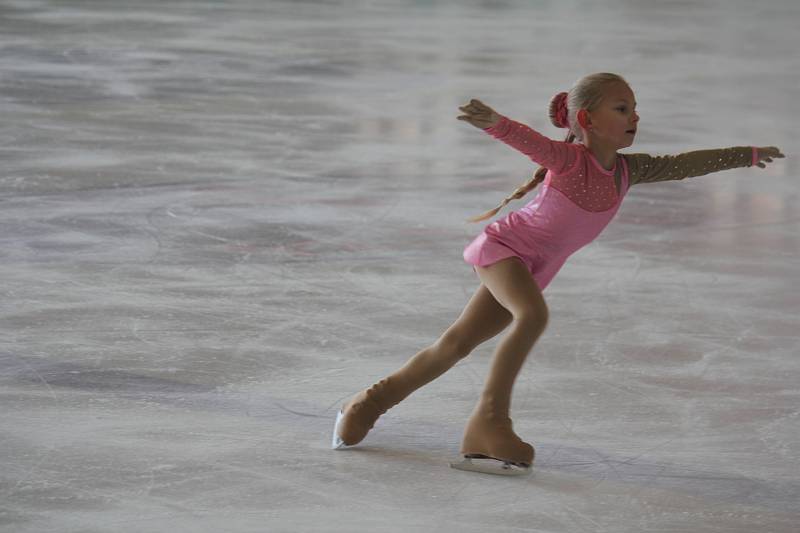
(587, 93)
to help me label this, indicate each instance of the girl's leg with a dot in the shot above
(482, 318)
(489, 430)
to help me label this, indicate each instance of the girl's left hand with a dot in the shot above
(479, 114)
(766, 153)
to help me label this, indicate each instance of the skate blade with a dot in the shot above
(337, 442)
(489, 465)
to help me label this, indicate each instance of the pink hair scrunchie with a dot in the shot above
(559, 114)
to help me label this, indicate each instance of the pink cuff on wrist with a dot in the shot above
(755, 156)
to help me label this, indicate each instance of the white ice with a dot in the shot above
(220, 220)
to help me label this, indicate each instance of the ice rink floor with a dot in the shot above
(220, 220)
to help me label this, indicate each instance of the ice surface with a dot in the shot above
(222, 219)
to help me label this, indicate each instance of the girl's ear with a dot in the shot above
(583, 119)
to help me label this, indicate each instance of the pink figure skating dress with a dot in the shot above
(578, 197)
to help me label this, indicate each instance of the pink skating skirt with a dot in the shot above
(485, 250)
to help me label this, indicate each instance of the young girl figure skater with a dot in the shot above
(517, 256)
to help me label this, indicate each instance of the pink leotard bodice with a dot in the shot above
(576, 201)
(578, 197)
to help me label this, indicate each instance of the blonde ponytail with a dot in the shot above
(521, 191)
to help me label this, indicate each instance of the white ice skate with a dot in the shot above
(490, 465)
(337, 442)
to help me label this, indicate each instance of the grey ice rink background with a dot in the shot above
(222, 219)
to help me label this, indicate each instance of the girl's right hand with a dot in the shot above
(766, 153)
(479, 115)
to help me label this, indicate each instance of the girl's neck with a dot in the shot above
(605, 155)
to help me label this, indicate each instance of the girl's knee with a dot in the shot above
(452, 345)
(534, 319)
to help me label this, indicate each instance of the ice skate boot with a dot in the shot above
(359, 415)
(491, 446)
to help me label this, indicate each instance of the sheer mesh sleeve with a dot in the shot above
(645, 168)
(556, 156)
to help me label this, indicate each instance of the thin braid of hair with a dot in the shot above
(522, 190)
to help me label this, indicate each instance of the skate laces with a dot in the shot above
(378, 394)
(370, 401)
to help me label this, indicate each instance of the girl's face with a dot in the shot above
(615, 120)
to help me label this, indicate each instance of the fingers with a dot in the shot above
(766, 153)
(476, 106)
(472, 109)
(476, 113)
(770, 151)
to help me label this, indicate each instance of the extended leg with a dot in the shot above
(482, 318)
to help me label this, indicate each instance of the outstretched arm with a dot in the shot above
(554, 155)
(644, 168)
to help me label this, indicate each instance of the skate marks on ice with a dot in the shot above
(596, 467)
(714, 486)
